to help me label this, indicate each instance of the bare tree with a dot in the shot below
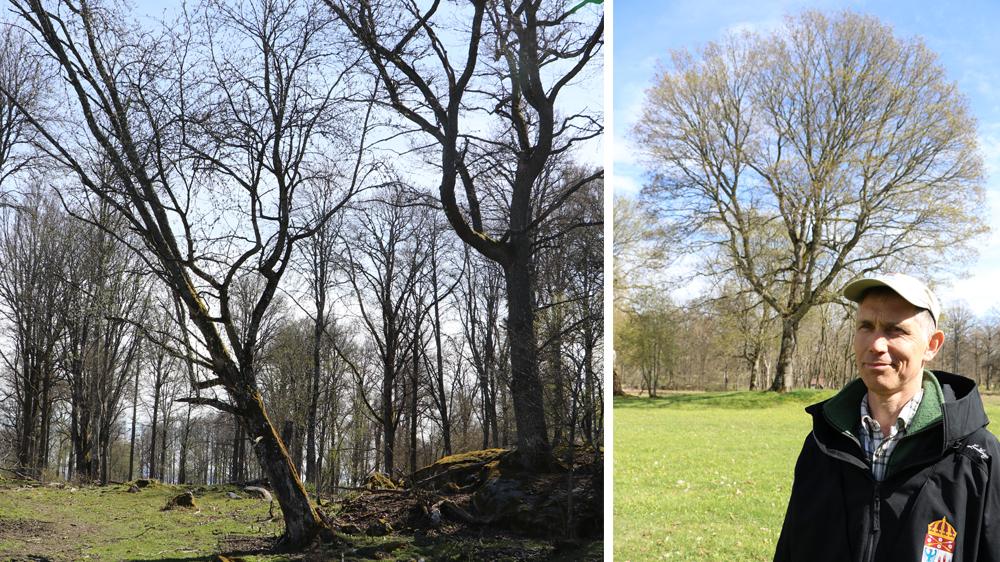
(844, 139)
(386, 257)
(21, 76)
(538, 48)
(210, 143)
(34, 253)
(480, 301)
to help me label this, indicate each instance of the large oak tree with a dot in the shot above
(827, 149)
(508, 69)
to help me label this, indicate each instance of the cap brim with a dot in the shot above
(854, 291)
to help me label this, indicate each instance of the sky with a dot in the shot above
(969, 49)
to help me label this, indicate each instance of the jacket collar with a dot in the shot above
(841, 411)
(950, 410)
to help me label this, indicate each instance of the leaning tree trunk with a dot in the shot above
(302, 523)
(789, 329)
(526, 386)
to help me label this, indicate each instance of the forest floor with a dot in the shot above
(61, 522)
(706, 476)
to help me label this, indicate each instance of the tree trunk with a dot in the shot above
(589, 385)
(302, 523)
(44, 425)
(163, 445)
(442, 397)
(312, 473)
(616, 380)
(25, 446)
(131, 447)
(789, 329)
(152, 443)
(414, 384)
(558, 406)
(182, 461)
(71, 464)
(236, 473)
(526, 386)
(753, 372)
(388, 425)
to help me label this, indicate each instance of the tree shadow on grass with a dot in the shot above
(735, 400)
(231, 546)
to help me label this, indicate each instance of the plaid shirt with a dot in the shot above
(877, 448)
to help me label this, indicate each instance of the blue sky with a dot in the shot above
(964, 39)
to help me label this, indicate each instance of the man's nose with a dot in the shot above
(879, 343)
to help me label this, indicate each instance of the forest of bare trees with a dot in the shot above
(298, 241)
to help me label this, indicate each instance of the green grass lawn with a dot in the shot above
(107, 523)
(60, 524)
(706, 476)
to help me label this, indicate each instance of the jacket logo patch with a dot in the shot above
(939, 543)
(980, 450)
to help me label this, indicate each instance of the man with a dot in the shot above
(899, 464)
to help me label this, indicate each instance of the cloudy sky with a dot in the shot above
(965, 40)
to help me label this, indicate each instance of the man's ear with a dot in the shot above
(934, 345)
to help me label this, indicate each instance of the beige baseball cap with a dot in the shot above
(911, 289)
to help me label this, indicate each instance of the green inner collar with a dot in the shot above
(843, 410)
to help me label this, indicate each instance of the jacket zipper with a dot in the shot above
(875, 527)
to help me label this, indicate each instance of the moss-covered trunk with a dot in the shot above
(302, 523)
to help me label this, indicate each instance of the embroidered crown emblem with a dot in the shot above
(942, 529)
(939, 543)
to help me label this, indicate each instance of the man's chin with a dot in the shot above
(880, 379)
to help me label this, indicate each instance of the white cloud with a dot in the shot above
(978, 291)
(625, 184)
(989, 144)
(626, 153)
(760, 27)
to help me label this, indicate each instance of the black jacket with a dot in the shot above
(944, 472)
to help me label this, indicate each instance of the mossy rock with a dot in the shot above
(380, 481)
(457, 471)
(182, 501)
(379, 528)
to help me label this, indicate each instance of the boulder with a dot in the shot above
(456, 472)
(182, 501)
(233, 496)
(380, 481)
(258, 492)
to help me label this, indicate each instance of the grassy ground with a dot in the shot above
(39, 522)
(107, 523)
(706, 476)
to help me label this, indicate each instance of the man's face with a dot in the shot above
(891, 344)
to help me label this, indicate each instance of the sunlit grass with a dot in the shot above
(706, 476)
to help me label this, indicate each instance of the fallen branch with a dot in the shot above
(460, 513)
(363, 489)
(21, 475)
(465, 467)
